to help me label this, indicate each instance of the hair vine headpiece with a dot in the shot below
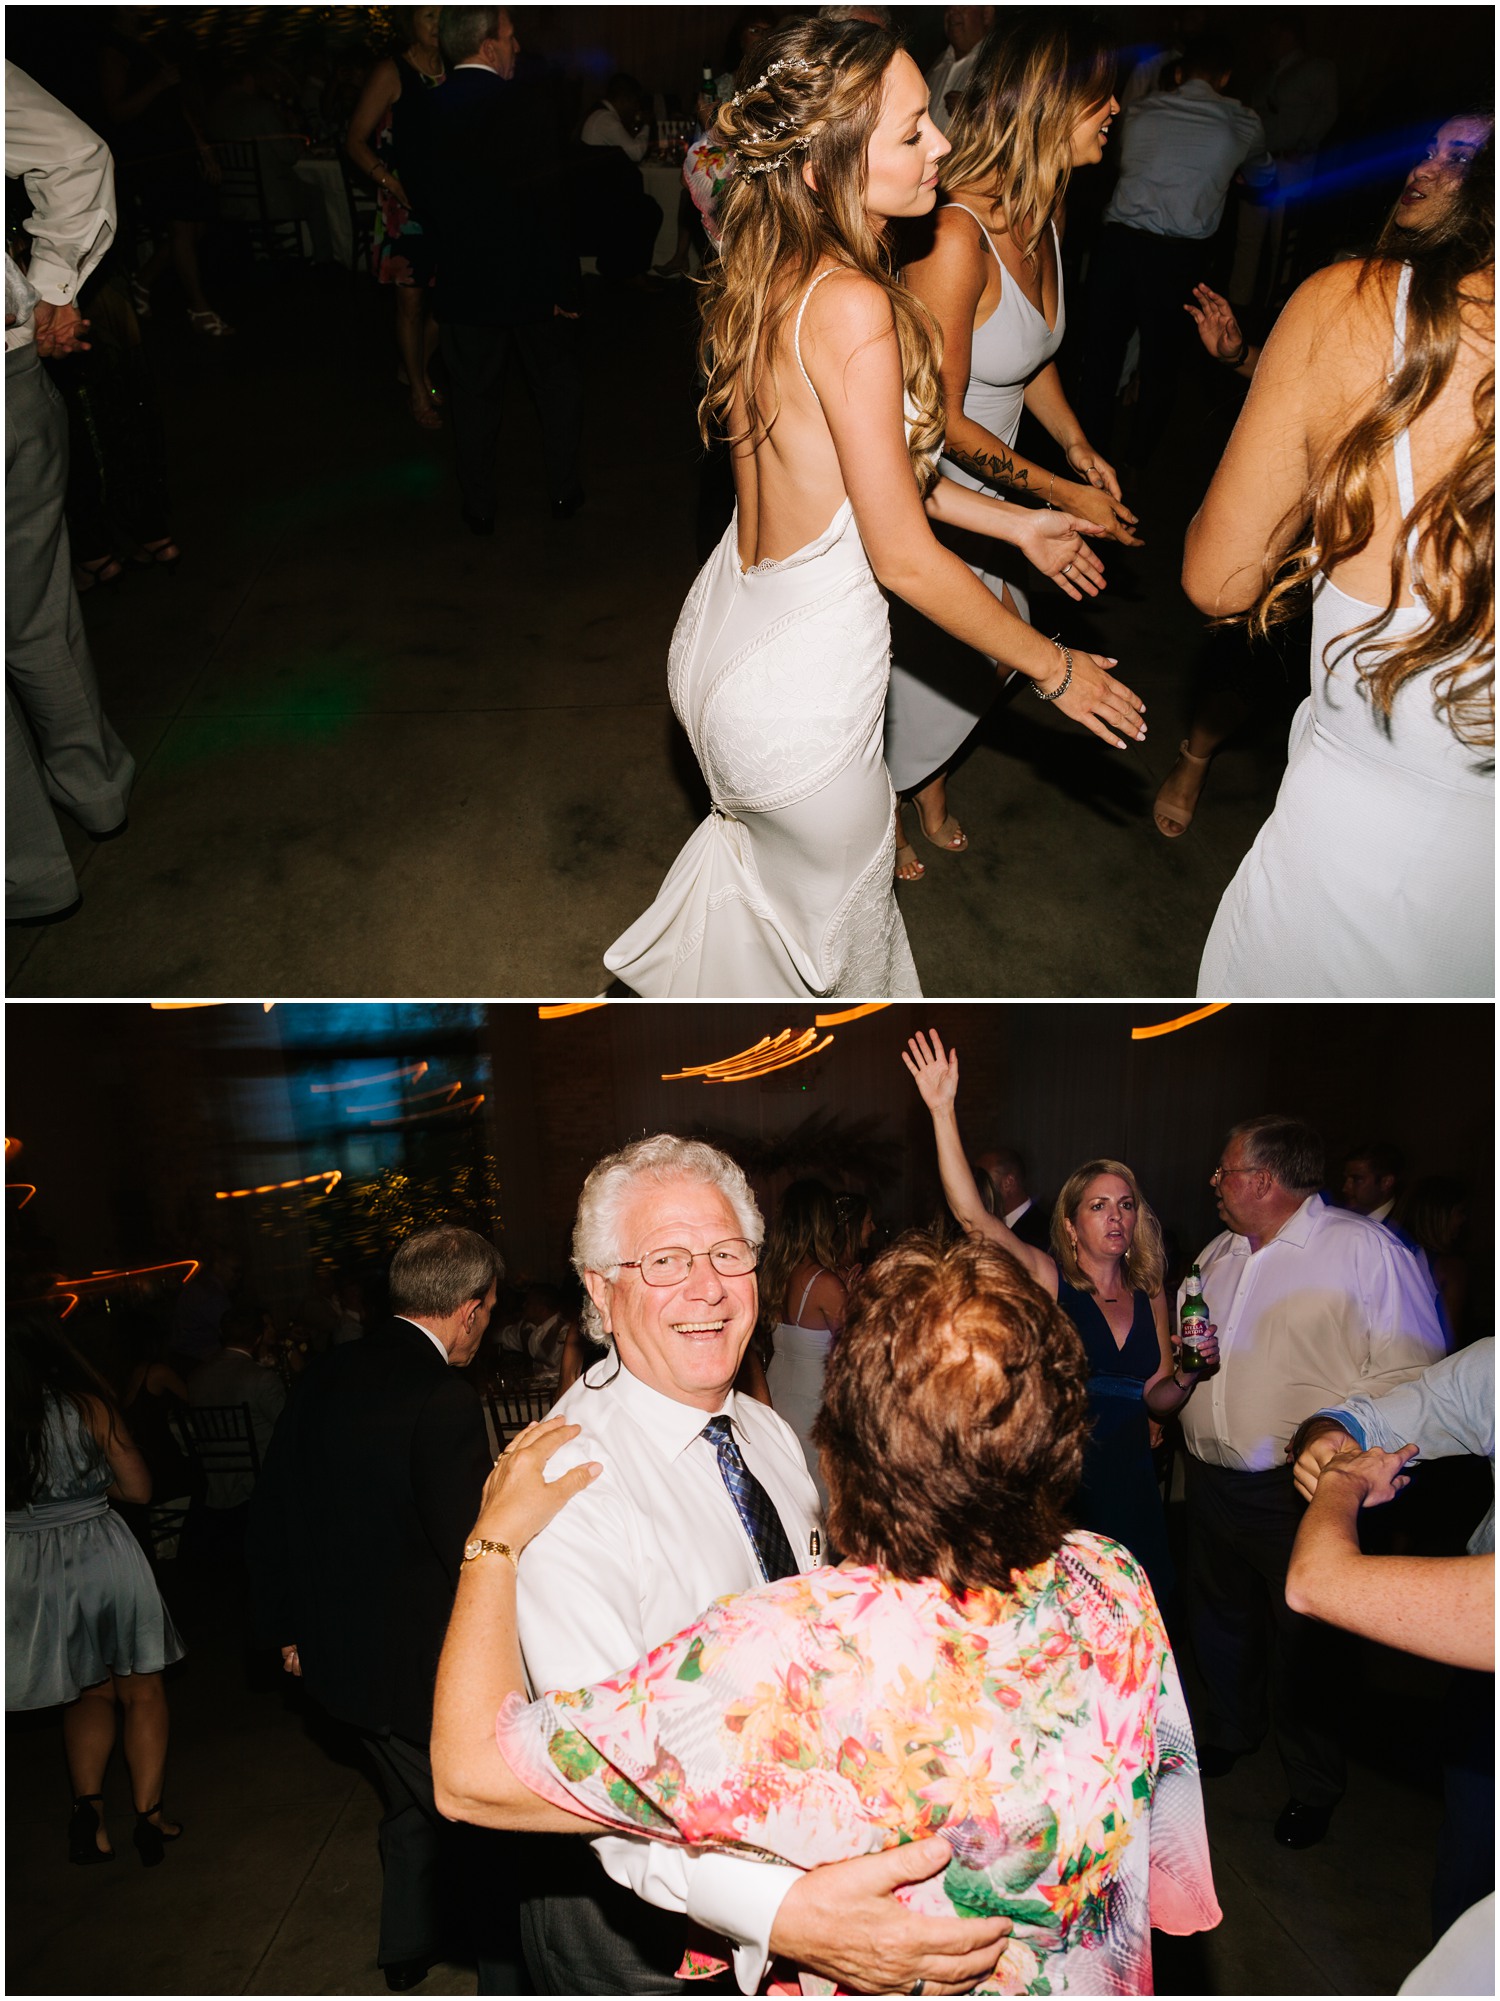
(786, 62)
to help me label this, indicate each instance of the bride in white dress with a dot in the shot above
(1372, 412)
(779, 664)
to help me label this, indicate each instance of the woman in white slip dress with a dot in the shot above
(779, 664)
(799, 1282)
(1375, 875)
(988, 266)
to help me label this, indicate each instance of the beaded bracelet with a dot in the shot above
(1051, 694)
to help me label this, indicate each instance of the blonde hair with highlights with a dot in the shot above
(1145, 1265)
(1012, 129)
(1452, 525)
(819, 109)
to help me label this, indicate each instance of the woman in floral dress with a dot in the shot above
(972, 1669)
(389, 112)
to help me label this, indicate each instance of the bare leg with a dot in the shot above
(937, 823)
(1217, 717)
(88, 1739)
(146, 1722)
(410, 339)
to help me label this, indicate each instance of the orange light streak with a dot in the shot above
(413, 1070)
(560, 1008)
(172, 1007)
(1182, 1021)
(29, 1186)
(412, 1098)
(849, 1014)
(776, 1052)
(186, 1265)
(332, 1175)
(72, 1299)
(436, 1111)
(12, 1148)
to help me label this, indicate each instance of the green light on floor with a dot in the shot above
(309, 698)
(409, 479)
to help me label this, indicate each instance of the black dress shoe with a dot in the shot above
(404, 1974)
(48, 916)
(479, 524)
(1299, 1826)
(1214, 1761)
(564, 510)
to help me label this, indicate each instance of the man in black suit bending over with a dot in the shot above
(357, 1529)
(488, 186)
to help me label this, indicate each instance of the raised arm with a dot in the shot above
(935, 1073)
(850, 350)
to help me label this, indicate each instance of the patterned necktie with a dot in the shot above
(752, 1503)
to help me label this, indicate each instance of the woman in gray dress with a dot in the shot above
(85, 1625)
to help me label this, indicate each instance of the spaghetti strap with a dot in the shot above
(797, 329)
(802, 1302)
(983, 231)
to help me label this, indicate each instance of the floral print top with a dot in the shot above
(1042, 1730)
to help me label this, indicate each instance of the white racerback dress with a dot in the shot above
(939, 687)
(1375, 875)
(794, 1377)
(778, 675)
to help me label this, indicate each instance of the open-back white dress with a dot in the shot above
(939, 687)
(778, 674)
(1375, 875)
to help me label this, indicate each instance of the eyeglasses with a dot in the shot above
(670, 1265)
(1219, 1172)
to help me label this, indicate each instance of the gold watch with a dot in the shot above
(481, 1546)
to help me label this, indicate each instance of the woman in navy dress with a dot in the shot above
(1106, 1273)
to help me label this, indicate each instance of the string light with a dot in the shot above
(175, 1007)
(849, 1014)
(412, 1098)
(1181, 1021)
(412, 1070)
(466, 1105)
(332, 1175)
(29, 1186)
(187, 1266)
(558, 1009)
(772, 1052)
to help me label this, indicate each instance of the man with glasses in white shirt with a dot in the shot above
(1311, 1304)
(704, 1492)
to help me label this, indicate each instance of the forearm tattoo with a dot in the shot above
(995, 469)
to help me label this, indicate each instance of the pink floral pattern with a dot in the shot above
(1042, 1730)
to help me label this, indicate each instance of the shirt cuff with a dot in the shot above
(1348, 1423)
(737, 1897)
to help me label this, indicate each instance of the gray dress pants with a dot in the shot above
(58, 744)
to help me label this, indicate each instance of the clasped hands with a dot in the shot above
(1369, 1475)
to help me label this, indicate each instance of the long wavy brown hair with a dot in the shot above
(777, 230)
(1013, 126)
(1453, 521)
(806, 1226)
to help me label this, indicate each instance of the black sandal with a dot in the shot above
(150, 1840)
(83, 1832)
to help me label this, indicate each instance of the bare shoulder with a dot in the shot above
(845, 308)
(1355, 298)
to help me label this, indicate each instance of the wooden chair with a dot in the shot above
(221, 1438)
(512, 1409)
(242, 202)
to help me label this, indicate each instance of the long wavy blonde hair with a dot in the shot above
(1453, 521)
(777, 230)
(1012, 129)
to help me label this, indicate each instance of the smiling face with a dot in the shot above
(905, 147)
(686, 1340)
(1103, 1224)
(1433, 181)
(1091, 133)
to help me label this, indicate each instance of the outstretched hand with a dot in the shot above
(519, 1500)
(934, 1069)
(1052, 543)
(1102, 704)
(1218, 329)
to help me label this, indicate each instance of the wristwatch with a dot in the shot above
(480, 1546)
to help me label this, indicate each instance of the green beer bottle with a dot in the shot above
(1193, 1323)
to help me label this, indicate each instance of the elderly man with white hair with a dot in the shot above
(703, 1491)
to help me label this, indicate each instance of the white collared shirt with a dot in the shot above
(948, 74)
(1013, 1216)
(428, 1332)
(1332, 1305)
(1179, 151)
(631, 1561)
(70, 178)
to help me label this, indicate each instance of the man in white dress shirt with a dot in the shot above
(966, 28)
(59, 746)
(1311, 1304)
(704, 1491)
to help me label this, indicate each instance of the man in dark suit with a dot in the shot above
(357, 1529)
(488, 187)
(1031, 1221)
